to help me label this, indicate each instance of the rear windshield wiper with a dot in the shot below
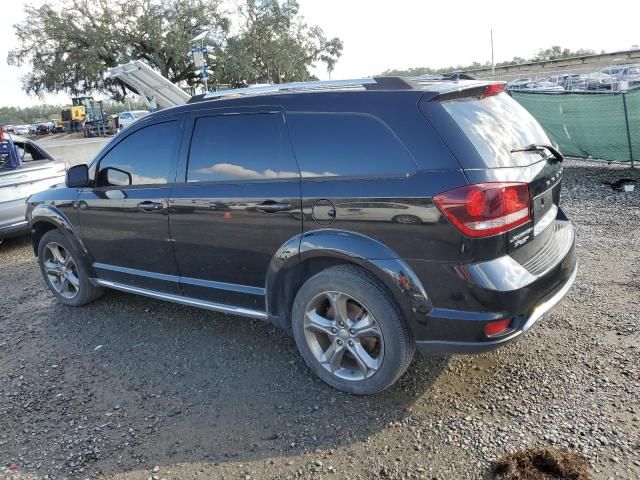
(541, 149)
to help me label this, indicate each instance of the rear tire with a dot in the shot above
(407, 219)
(350, 332)
(64, 270)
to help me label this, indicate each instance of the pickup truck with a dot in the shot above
(37, 171)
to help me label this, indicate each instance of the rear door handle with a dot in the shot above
(271, 207)
(149, 206)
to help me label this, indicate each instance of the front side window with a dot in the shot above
(146, 157)
(240, 147)
(347, 145)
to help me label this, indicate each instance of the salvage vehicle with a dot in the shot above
(204, 205)
(30, 171)
(126, 119)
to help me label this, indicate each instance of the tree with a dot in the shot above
(556, 52)
(275, 46)
(70, 47)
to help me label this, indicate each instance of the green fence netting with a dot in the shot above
(593, 125)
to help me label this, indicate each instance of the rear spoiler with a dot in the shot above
(478, 90)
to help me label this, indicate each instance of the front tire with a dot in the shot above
(350, 332)
(65, 271)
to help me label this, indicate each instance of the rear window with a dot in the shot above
(495, 126)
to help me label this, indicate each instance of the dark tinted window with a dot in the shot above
(346, 145)
(145, 157)
(240, 147)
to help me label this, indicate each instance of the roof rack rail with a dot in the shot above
(376, 83)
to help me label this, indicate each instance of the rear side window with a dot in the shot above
(328, 144)
(240, 147)
(146, 157)
(495, 126)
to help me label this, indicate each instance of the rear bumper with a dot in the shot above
(539, 311)
(496, 290)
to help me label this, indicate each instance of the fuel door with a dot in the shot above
(323, 212)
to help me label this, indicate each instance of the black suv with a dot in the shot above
(369, 218)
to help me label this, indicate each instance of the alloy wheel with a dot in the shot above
(343, 336)
(61, 270)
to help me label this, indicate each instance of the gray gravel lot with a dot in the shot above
(132, 388)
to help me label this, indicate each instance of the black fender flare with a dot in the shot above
(51, 215)
(349, 247)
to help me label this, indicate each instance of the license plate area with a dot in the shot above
(545, 211)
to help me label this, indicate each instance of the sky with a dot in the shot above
(400, 34)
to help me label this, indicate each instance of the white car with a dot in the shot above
(125, 119)
(21, 129)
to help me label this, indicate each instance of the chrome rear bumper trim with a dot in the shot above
(545, 307)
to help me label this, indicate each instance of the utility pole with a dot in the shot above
(198, 53)
(493, 65)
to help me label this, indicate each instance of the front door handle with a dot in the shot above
(270, 207)
(149, 206)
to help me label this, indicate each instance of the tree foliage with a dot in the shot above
(275, 46)
(556, 52)
(70, 46)
(552, 53)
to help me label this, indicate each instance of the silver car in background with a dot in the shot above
(39, 171)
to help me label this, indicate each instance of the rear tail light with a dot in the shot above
(500, 327)
(486, 209)
(493, 89)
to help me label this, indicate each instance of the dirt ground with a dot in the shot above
(133, 388)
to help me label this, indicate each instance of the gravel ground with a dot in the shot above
(132, 388)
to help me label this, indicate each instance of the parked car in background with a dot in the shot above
(557, 79)
(614, 71)
(195, 205)
(631, 74)
(8, 129)
(599, 81)
(21, 130)
(519, 83)
(43, 128)
(622, 72)
(38, 171)
(126, 119)
(546, 86)
(570, 80)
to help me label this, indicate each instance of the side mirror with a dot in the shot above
(78, 176)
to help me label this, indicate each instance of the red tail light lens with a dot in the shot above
(486, 209)
(493, 329)
(493, 89)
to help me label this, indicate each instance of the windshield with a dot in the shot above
(495, 126)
